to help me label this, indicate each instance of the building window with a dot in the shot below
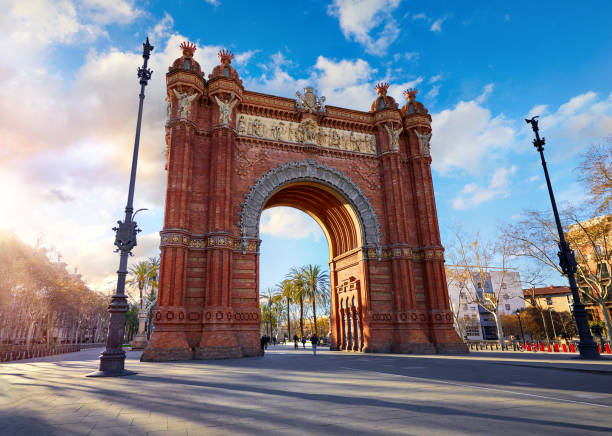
(506, 296)
(549, 301)
(187, 64)
(226, 71)
(598, 250)
(479, 285)
(507, 307)
(503, 286)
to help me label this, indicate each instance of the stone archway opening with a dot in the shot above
(343, 231)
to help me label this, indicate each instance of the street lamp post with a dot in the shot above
(586, 346)
(270, 313)
(112, 360)
(518, 315)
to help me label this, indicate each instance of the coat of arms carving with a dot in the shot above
(310, 101)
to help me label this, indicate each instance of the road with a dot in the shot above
(290, 392)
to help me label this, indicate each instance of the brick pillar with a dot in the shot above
(218, 339)
(169, 339)
(399, 201)
(440, 319)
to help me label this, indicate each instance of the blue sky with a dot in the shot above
(69, 99)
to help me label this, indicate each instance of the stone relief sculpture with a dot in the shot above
(225, 109)
(394, 136)
(168, 108)
(423, 141)
(308, 132)
(310, 101)
(242, 125)
(184, 102)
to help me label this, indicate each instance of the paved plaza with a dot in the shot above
(294, 393)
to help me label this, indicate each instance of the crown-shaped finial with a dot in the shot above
(188, 49)
(410, 94)
(226, 56)
(381, 88)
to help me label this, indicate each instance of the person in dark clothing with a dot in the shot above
(263, 343)
(315, 341)
(304, 342)
(295, 341)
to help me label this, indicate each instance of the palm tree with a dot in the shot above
(267, 307)
(285, 290)
(153, 283)
(299, 292)
(140, 274)
(316, 288)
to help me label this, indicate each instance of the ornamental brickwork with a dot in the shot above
(364, 176)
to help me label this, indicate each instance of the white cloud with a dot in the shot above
(408, 56)
(213, 2)
(486, 92)
(360, 19)
(473, 195)
(244, 57)
(419, 16)
(436, 78)
(436, 26)
(582, 120)
(433, 92)
(464, 135)
(286, 222)
(109, 11)
(68, 155)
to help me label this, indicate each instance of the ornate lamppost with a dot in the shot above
(112, 360)
(586, 346)
(518, 314)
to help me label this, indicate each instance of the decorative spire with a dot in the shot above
(381, 88)
(188, 49)
(410, 94)
(226, 56)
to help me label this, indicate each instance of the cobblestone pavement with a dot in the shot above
(293, 392)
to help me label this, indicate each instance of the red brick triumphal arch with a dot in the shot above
(365, 177)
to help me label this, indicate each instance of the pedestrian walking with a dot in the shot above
(274, 340)
(304, 342)
(315, 341)
(295, 341)
(263, 344)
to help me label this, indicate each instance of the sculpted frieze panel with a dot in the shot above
(306, 132)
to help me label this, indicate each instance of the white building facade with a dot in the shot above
(473, 321)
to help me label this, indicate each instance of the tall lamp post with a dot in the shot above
(270, 313)
(518, 315)
(112, 360)
(586, 346)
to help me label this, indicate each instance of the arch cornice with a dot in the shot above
(310, 171)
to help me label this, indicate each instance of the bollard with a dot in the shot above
(572, 348)
(564, 348)
(548, 349)
(608, 351)
(556, 347)
(599, 348)
(528, 346)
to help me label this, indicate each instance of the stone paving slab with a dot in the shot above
(290, 392)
